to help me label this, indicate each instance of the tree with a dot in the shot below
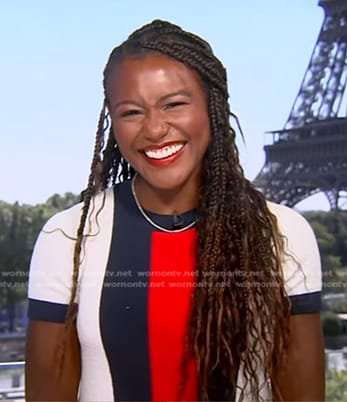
(336, 386)
(332, 325)
(60, 202)
(331, 231)
(16, 244)
(20, 226)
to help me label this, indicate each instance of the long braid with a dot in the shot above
(92, 186)
(103, 171)
(238, 238)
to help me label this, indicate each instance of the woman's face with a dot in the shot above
(160, 119)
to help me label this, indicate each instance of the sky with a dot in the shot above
(53, 54)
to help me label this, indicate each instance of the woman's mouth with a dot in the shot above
(164, 152)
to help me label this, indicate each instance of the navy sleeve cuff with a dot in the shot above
(306, 303)
(47, 311)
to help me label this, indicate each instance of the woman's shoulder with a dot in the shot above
(299, 236)
(301, 251)
(68, 219)
(290, 221)
(52, 257)
(65, 218)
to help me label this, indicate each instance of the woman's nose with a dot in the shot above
(155, 127)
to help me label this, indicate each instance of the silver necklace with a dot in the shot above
(149, 220)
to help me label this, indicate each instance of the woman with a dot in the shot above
(189, 285)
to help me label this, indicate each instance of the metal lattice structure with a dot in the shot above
(309, 155)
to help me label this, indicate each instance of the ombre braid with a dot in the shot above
(231, 322)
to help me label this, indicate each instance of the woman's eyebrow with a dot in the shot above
(126, 102)
(161, 99)
(176, 93)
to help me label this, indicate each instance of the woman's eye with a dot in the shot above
(128, 113)
(172, 105)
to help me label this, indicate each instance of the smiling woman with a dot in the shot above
(173, 279)
(158, 109)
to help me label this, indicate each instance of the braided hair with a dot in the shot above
(240, 310)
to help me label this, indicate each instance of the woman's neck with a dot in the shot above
(167, 201)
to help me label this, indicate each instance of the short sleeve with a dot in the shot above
(51, 267)
(301, 262)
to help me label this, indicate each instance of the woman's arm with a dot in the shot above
(302, 376)
(41, 369)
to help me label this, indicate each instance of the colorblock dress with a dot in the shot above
(135, 289)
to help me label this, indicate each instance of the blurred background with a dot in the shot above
(287, 70)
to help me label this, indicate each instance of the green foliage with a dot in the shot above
(339, 306)
(332, 325)
(336, 386)
(19, 228)
(326, 240)
(57, 202)
(331, 231)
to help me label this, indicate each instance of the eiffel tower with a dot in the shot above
(309, 155)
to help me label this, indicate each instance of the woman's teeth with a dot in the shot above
(163, 152)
